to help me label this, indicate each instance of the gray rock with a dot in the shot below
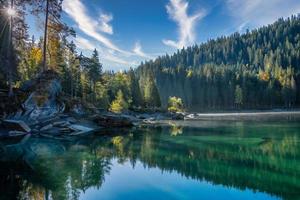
(177, 116)
(113, 120)
(46, 128)
(16, 125)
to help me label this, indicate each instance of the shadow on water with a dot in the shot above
(263, 157)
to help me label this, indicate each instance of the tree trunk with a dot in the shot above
(10, 53)
(45, 37)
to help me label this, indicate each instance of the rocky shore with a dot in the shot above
(44, 113)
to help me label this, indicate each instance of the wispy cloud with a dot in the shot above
(254, 13)
(138, 51)
(97, 30)
(105, 55)
(118, 60)
(76, 10)
(178, 12)
(84, 44)
(104, 23)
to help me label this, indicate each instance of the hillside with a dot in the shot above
(256, 70)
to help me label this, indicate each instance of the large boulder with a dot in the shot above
(42, 102)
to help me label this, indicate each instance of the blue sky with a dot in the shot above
(127, 32)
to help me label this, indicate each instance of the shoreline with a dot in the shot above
(243, 115)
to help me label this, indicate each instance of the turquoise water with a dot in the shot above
(176, 160)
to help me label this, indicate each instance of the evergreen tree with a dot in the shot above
(263, 63)
(93, 69)
(135, 89)
(238, 96)
(151, 95)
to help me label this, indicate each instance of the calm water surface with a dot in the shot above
(180, 160)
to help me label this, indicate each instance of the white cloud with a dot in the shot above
(138, 51)
(76, 10)
(254, 13)
(84, 44)
(111, 55)
(178, 12)
(115, 59)
(104, 23)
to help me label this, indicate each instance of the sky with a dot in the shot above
(127, 32)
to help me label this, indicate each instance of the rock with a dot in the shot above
(46, 128)
(149, 121)
(78, 109)
(113, 120)
(177, 116)
(191, 116)
(16, 134)
(43, 102)
(80, 130)
(143, 116)
(65, 130)
(13, 133)
(16, 125)
(61, 124)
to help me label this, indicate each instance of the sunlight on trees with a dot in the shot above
(119, 104)
(175, 104)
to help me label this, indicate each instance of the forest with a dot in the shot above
(259, 69)
(24, 57)
(255, 70)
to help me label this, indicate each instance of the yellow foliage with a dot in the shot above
(264, 76)
(175, 104)
(189, 73)
(119, 104)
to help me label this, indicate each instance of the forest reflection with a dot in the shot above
(232, 156)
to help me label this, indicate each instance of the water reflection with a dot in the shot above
(259, 157)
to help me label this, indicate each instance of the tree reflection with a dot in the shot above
(63, 170)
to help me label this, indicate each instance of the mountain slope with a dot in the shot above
(256, 70)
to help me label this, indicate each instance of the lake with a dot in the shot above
(174, 160)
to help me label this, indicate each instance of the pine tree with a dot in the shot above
(135, 89)
(151, 94)
(238, 96)
(94, 70)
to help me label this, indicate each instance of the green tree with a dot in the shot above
(93, 70)
(238, 96)
(151, 94)
(119, 104)
(135, 89)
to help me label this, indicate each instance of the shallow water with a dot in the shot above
(180, 160)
